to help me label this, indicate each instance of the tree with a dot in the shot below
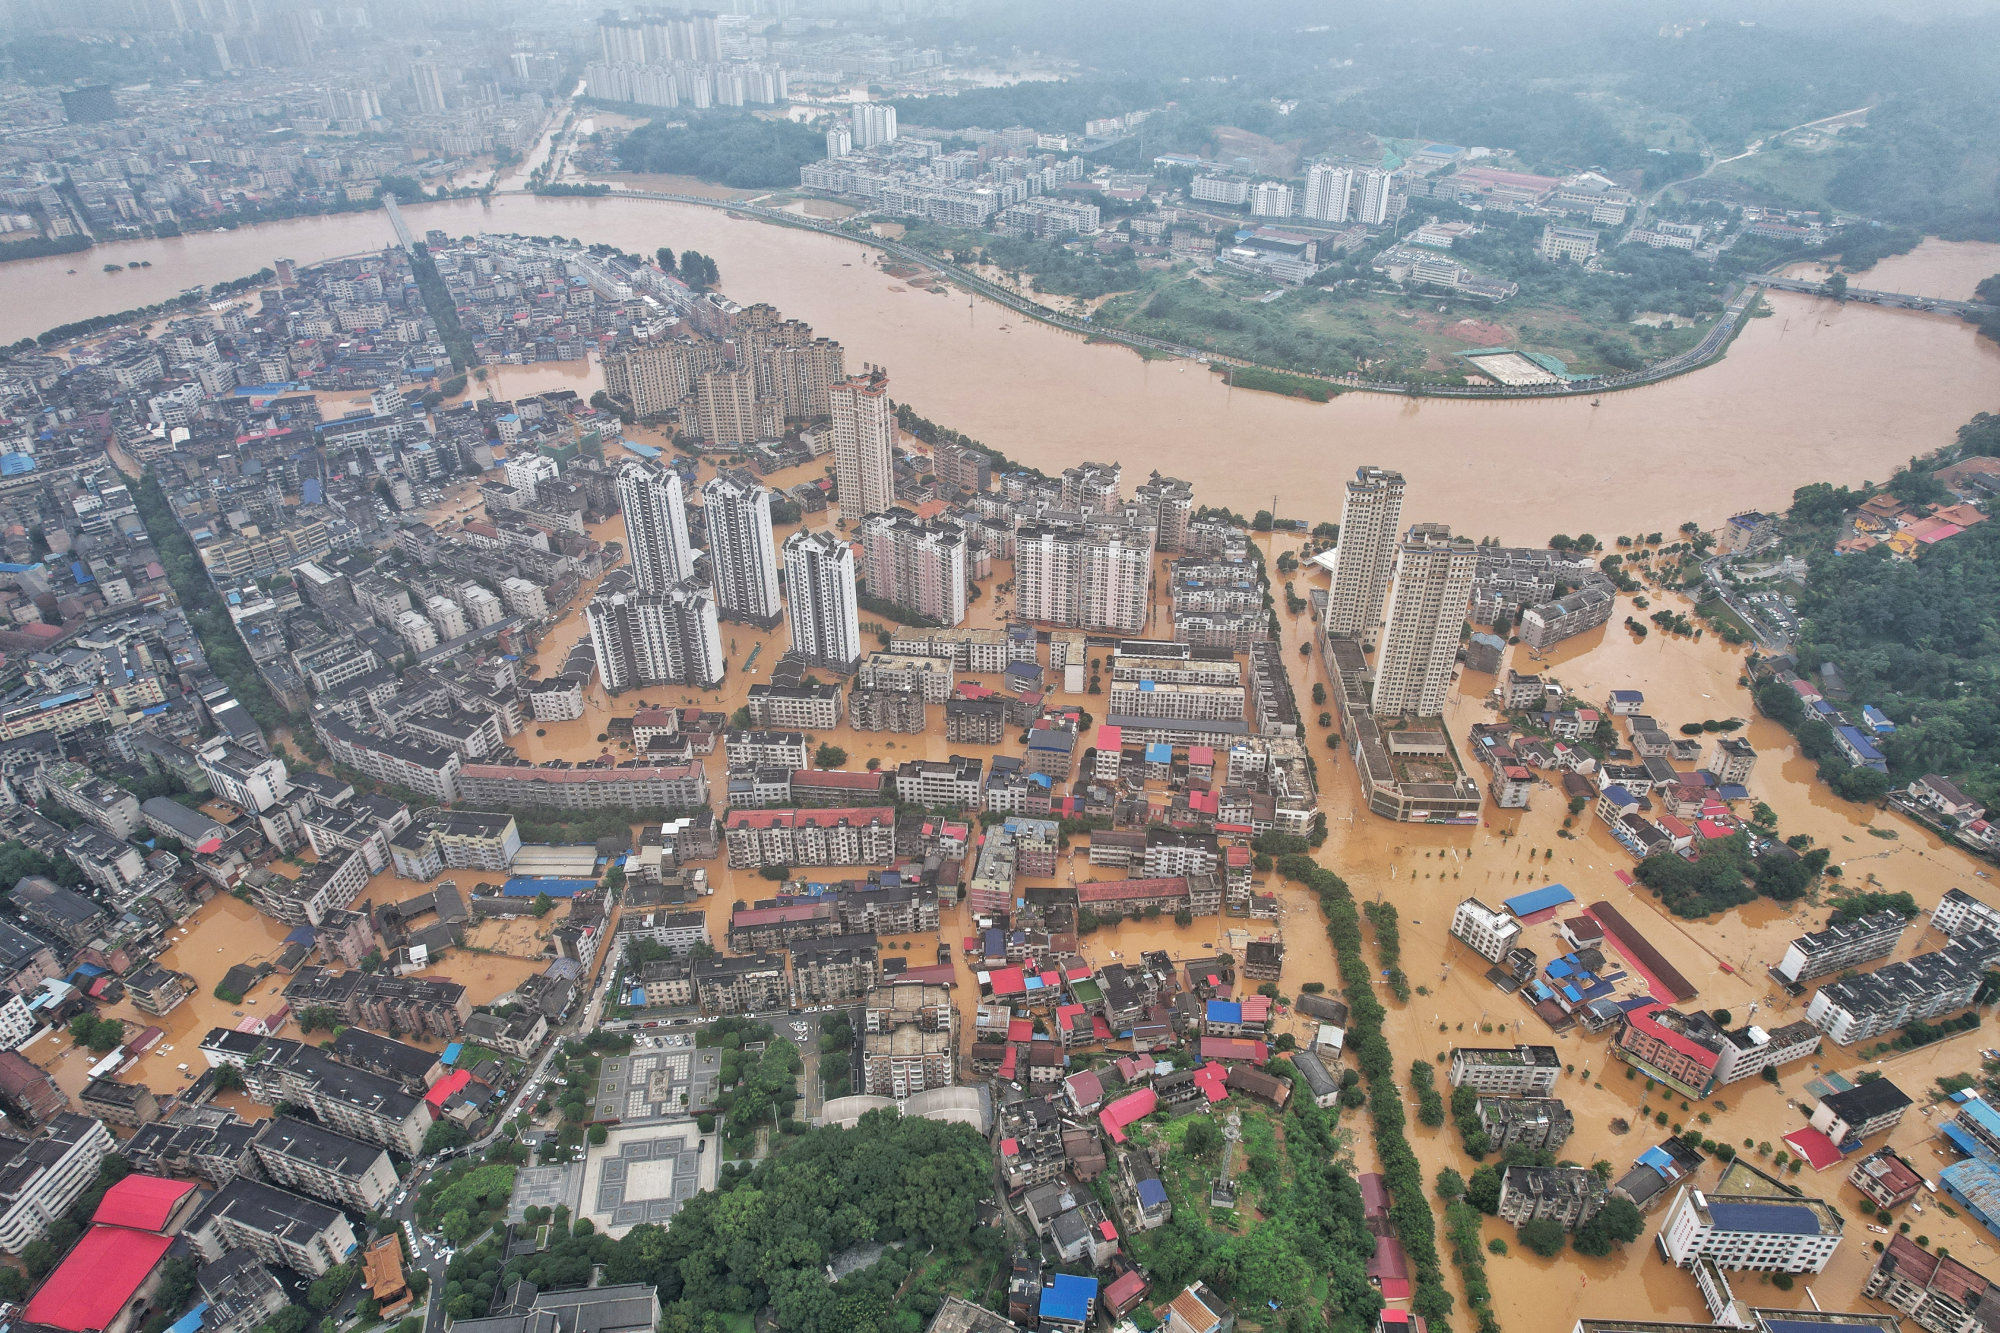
(829, 756)
(1618, 1223)
(1483, 1190)
(1203, 1139)
(665, 256)
(98, 1034)
(1450, 1185)
(1545, 1236)
(443, 1135)
(228, 1078)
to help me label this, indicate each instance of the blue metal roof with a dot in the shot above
(1068, 1298)
(1159, 752)
(1535, 900)
(190, 1321)
(1658, 1158)
(1980, 1113)
(1776, 1219)
(522, 887)
(452, 1052)
(1808, 1325)
(1224, 1011)
(1152, 1193)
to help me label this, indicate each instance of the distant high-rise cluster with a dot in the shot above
(873, 123)
(1337, 193)
(674, 60)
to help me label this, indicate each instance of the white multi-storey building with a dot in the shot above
(656, 526)
(1426, 612)
(864, 443)
(873, 123)
(1370, 518)
(741, 552)
(41, 1178)
(826, 624)
(1923, 987)
(670, 637)
(1770, 1233)
(1513, 1071)
(1371, 196)
(254, 782)
(916, 565)
(1270, 199)
(1327, 188)
(1488, 933)
(447, 616)
(1084, 577)
(525, 599)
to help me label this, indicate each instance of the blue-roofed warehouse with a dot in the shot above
(1539, 900)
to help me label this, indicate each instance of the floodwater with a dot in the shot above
(1814, 391)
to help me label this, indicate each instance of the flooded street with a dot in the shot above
(1815, 391)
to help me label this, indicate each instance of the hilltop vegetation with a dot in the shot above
(733, 149)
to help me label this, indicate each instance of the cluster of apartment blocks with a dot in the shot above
(1923, 987)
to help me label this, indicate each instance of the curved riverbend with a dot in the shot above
(1816, 391)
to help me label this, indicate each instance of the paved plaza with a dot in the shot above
(645, 1174)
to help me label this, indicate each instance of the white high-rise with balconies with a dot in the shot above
(1371, 195)
(819, 577)
(656, 526)
(864, 444)
(1370, 519)
(1426, 612)
(654, 638)
(1327, 187)
(874, 123)
(742, 556)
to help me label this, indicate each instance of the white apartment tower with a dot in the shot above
(1370, 519)
(1327, 188)
(819, 576)
(656, 526)
(1371, 196)
(864, 444)
(1270, 199)
(742, 556)
(1426, 611)
(915, 564)
(655, 638)
(1084, 577)
(873, 123)
(839, 141)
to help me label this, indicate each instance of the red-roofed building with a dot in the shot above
(1133, 1106)
(102, 1285)
(1007, 981)
(1122, 1295)
(1389, 1268)
(1129, 897)
(1213, 1078)
(1818, 1150)
(1021, 1029)
(455, 1081)
(1234, 1048)
(145, 1203)
(1653, 1039)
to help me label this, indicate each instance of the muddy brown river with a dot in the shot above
(1813, 391)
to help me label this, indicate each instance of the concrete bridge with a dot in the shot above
(1897, 300)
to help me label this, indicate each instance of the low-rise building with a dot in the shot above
(1860, 1112)
(1568, 1195)
(317, 1161)
(1519, 1071)
(277, 1226)
(1488, 933)
(1770, 1232)
(1525, 1122)
(1886, 1179)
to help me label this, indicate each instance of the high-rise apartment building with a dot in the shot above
(819, 577)
(864, 444)
(839, 141)
(727, 410)
(916, 565)
(656, 378)
(1426, 611)
(742, 557)
(1270, 199)
(429, 81)
(1370, 519)
(1085, 576)
(669, 637)
(1169, 502)
(1327, 188)
(656, 526)
(873, 123)
(1371, 196)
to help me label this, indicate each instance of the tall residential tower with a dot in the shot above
(1370, 519)
(819, 576)
(656, 526)
(741, 554)
(864, 444)
(1426, 612)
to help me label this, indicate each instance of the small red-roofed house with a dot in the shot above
(1133, 1106)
